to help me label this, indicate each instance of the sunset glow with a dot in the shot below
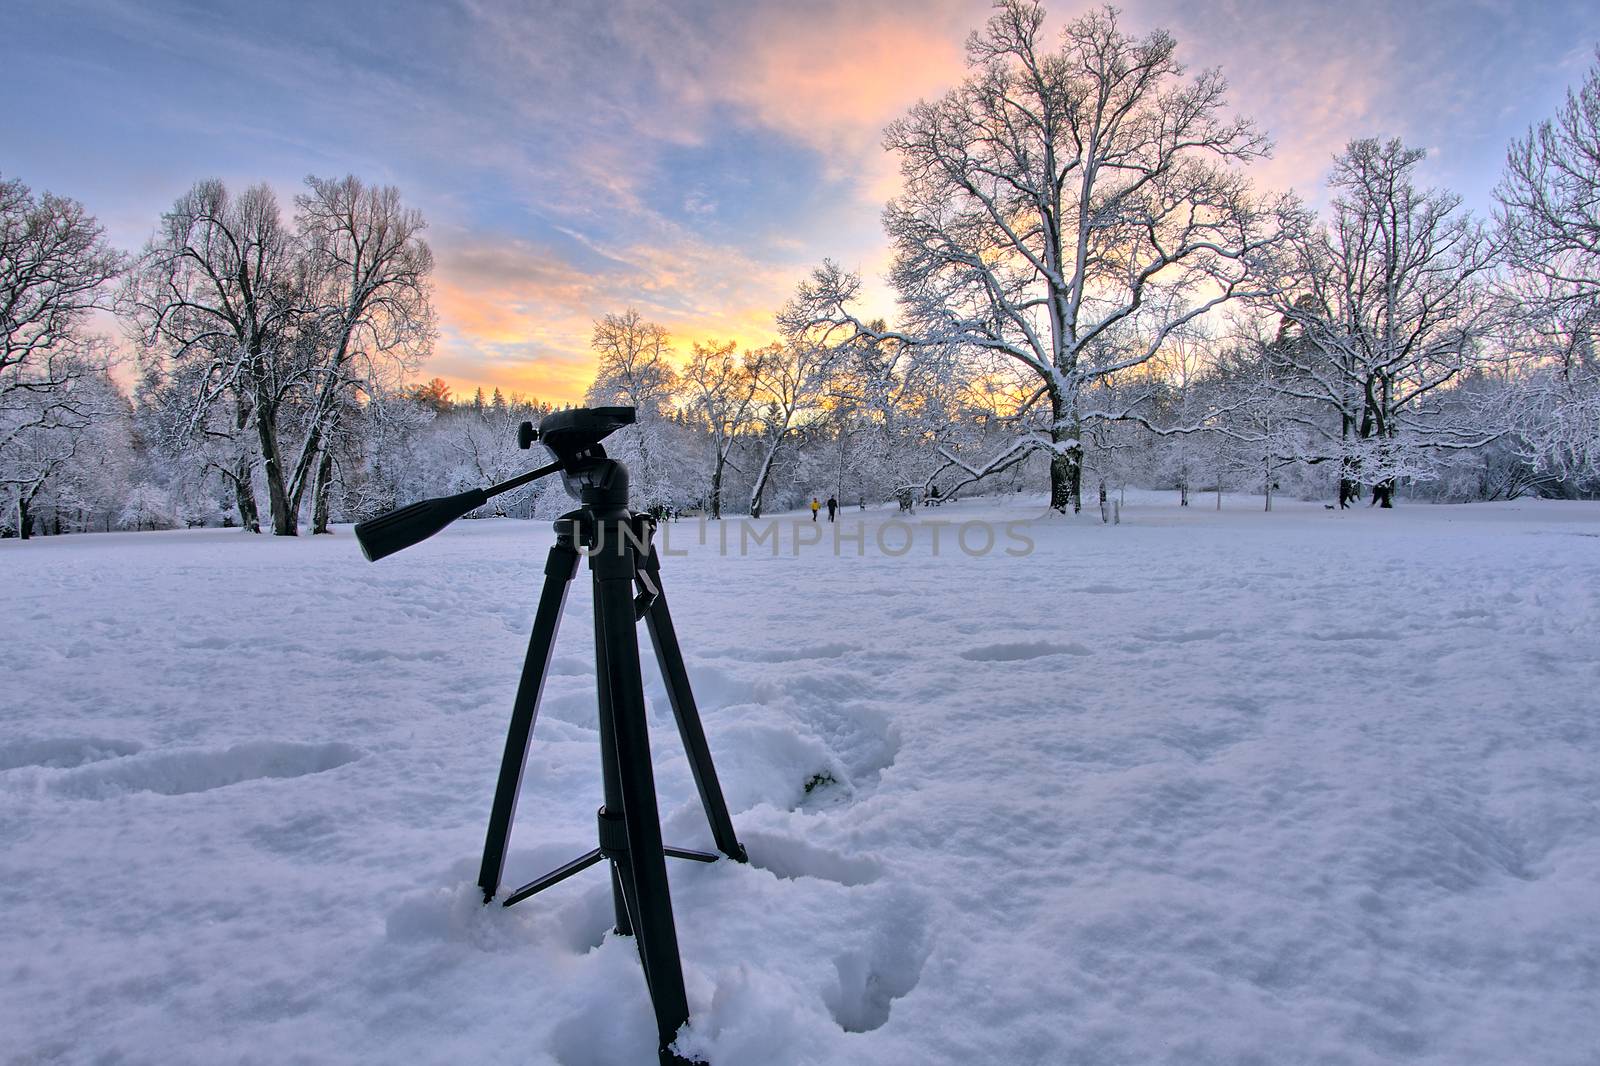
(690, 161)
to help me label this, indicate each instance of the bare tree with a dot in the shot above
(636, 371)
(723, 389)
(369, 267)
(1256, 427)
(49, 431)
(789, 379)
(635, 363)
(1067, 210)
(1389, 301)
(54, 269)
(220, 286)
(1180, 368)
(1549, 216)
(1549, 196)
(1552, 402)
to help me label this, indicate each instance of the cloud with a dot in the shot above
(520, 313)
(691, 158)
(820, 78)
(833, 78)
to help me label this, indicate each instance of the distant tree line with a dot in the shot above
(1091, 294)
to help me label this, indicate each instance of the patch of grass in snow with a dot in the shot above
(820, 780)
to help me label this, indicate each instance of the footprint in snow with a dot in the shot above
(885, 966)
(1339, 635)
(885, 962)
(177, 773)
(789, 858)
(64, 753)
(1186, 636)
(783, 655)
(212, 643)
(373, 655)
(1017, 651)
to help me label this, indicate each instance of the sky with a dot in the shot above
(691, 159)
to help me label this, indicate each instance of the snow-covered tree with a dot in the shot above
(48, 432)
(370, 312)
(1388, 303)
(54, 269)
(1067, 209)
(721, 387)
(1549, 196)
(1549, 216)
(1182, 408)
(481, 444)
(789, 382)
(1551, 403)
(267, 335)
(1256, 428)
(636, 370)
(219, 288)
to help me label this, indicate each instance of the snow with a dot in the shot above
(1308, 786)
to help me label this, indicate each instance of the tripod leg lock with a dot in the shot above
(613, 835)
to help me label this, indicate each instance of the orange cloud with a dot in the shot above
(519, 317)
(835, 82)
(814, 79)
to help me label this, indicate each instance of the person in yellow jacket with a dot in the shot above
(815, 507)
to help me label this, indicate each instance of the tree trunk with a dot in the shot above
(1383, 493)
(244, 490)
(285, 523)
(1060, 481)
(1349, 491)
(244, 496)
(1076, 459)
(1065, 463)
(319, 494)
(716, 489)
(838, 485)
(761, 482)
(24, 520)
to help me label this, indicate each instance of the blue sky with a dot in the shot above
(690, 159)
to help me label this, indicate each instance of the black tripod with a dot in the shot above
(627, 587)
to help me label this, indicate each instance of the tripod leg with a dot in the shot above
(559, 569)
(645, 878)
(608, 760)
(664, 638)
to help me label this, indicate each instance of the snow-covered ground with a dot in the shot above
(1300, 787)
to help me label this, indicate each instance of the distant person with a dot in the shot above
(863, 502)
(815, 507)
(833, 508)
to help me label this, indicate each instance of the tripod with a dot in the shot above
(622, 557)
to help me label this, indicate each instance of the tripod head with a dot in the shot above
(576, 433)
(574, 438)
